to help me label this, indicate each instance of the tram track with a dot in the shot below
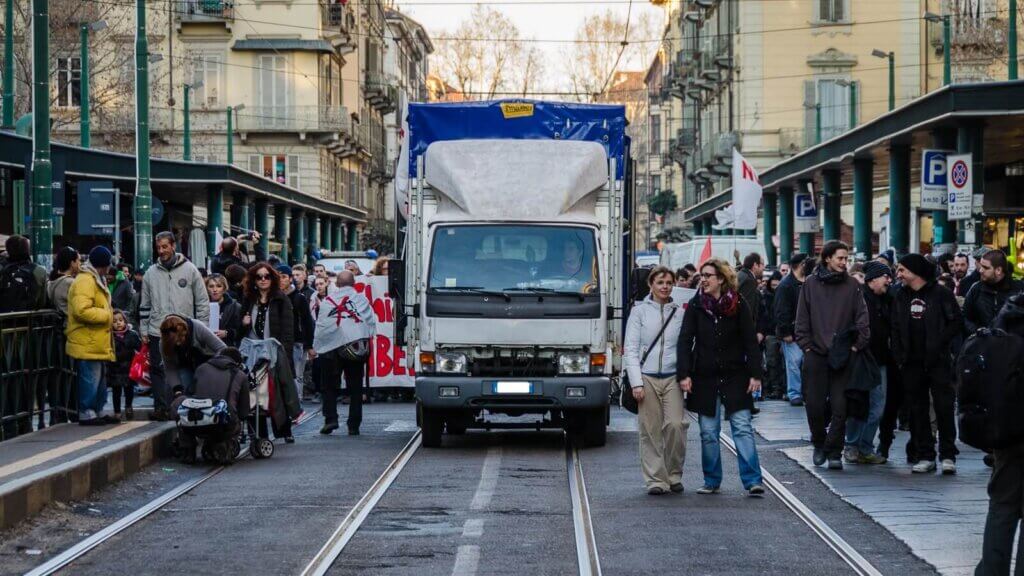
(83, 547)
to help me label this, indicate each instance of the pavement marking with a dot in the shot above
(467, 559)
(402, 426)
(54, 453)
(488, 479)
(587, 559)
(473, 528)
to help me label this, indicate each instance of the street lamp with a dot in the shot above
(8, 87)
(187, 155)
(231, 114)
(84, 103)
(946, 64)
(891, 56)
(1012, 39)
(852, 85)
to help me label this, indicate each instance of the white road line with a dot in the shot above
(587, 559)
(473, 528)
(467, 560)
(488, 479)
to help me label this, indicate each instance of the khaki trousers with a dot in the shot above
(663, 426)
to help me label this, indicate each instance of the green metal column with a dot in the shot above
(214, 217)
(8, 98)
(947, 65)
(807, 242)
(944, 229)
(325, 233)
(1012, 40)
(817, 123)
(833, 204)
(84, 109)
(239, 214)
(770, 215)
(186, 124)
(143, 192)
(853, 105)
(231, 134)
(336, 230)
(970, 139)
(262, 208)
(899, 198)
(892, 80)
(281, 229)
(298, 236)
(863, 195)
(353, 237)
(785, 207)
(313, 233)
(42, 170)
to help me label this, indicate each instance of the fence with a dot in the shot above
(36, 376)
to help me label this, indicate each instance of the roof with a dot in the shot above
(269, 44)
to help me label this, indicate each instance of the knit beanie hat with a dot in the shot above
(889, 255)
(874, 269)
(919, 265)
(100, 257)
(284, 269)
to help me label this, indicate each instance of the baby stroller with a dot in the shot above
(260, 398)
(210, 424)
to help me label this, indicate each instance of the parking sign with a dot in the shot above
(959, 185)
(934, 190)
(806, 213)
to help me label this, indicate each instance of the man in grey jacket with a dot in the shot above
(171, 286)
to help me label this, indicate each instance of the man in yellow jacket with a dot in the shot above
(90, 335)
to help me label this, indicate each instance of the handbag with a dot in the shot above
(138, 371)
(356, 350)
(627, 400)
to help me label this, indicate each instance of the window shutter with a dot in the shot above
(839, 10)
(293, 171)
(810, 99)
(254, 164)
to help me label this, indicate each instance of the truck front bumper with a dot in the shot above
(551, 393)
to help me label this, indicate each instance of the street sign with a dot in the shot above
(96, 208)
(934, 191)
(960, 186)
(805, 213)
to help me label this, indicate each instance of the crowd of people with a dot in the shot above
(186, 316)
(863, 348)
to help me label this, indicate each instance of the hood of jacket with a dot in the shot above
(178, 260)
(1011, 317)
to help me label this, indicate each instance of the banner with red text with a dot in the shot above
(387, 357)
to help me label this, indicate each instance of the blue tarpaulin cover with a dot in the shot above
(517, 119)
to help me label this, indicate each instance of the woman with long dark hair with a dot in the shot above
(719, 365)
(268, 313)
(66, 266)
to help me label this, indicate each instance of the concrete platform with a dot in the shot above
(68, 462)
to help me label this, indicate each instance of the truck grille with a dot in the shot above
(521, 363)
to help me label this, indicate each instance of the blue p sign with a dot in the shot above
(934, 168)
(805, 206)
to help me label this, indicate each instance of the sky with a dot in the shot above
(544, 20)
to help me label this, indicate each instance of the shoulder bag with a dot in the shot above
(627, 400)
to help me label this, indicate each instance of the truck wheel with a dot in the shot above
(431, 427)
(595, 432)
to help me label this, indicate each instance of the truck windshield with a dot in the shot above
(514, 259)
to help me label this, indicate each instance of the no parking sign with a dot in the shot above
(960, 183)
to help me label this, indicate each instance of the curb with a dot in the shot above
(74, 480)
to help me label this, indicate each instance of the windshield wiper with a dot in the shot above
(539, 290)
(472, 290)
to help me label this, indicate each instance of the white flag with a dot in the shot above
(402, 170)
(725, 218)
(746, 192)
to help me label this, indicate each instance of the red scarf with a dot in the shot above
(725, 305)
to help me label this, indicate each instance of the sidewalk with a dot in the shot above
(68, 462)
(941, 518)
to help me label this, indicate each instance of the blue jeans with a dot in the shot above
(711, 448)
(92, 389)
(794, 359)
(860, 434)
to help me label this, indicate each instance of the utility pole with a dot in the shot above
(891, 57)
(947, 66)
(84, 103)
(8, 98)
(231, 132)
(143, 191)
(1012, 51)
(817, 123)
(42, 170)
(187, 124)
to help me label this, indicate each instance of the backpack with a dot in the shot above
(991, 374)
(19, 290)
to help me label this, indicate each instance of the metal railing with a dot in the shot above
(294, 119)
(205, 10)
(36, 376)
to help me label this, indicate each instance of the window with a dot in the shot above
(274, 89)
(69, 82)
(835, 108)
(832, 11)
(281, 168)
(655, 134)
(655, 183)
(208, 69)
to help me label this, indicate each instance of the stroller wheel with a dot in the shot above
(221, 453)
(207, 453)
(261, 448)
(234, 448)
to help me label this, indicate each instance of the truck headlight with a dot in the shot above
(451, 363)
(574, 363)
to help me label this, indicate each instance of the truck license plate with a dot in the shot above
(513, 387)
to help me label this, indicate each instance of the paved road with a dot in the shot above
(486, 503)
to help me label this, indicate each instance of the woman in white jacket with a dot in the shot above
(663, 422)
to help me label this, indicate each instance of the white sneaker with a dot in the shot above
(949, 466)
(924, 467)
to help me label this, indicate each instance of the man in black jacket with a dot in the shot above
(925, 320)
(748, 276)
(775, 364)
(304, 326)
(784, 308)
(227, 256)
(986, 298)
(860, 434)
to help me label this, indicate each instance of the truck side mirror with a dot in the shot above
(396, 289)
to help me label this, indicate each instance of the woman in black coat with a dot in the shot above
(230, 322)
(719, 363)
(267, 313)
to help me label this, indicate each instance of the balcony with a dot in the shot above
(380, 92)
(338, 23)
(206, 12)
(302, 120)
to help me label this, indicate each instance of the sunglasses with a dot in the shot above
(263, 276)
(707, 276)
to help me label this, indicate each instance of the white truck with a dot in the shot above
(510, 289)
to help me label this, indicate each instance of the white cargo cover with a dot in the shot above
(515, 179)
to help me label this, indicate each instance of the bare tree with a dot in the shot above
(607, 43)
(529, 73)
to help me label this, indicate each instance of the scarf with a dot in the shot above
(827, 276)
(725, 305)
(120, 335)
